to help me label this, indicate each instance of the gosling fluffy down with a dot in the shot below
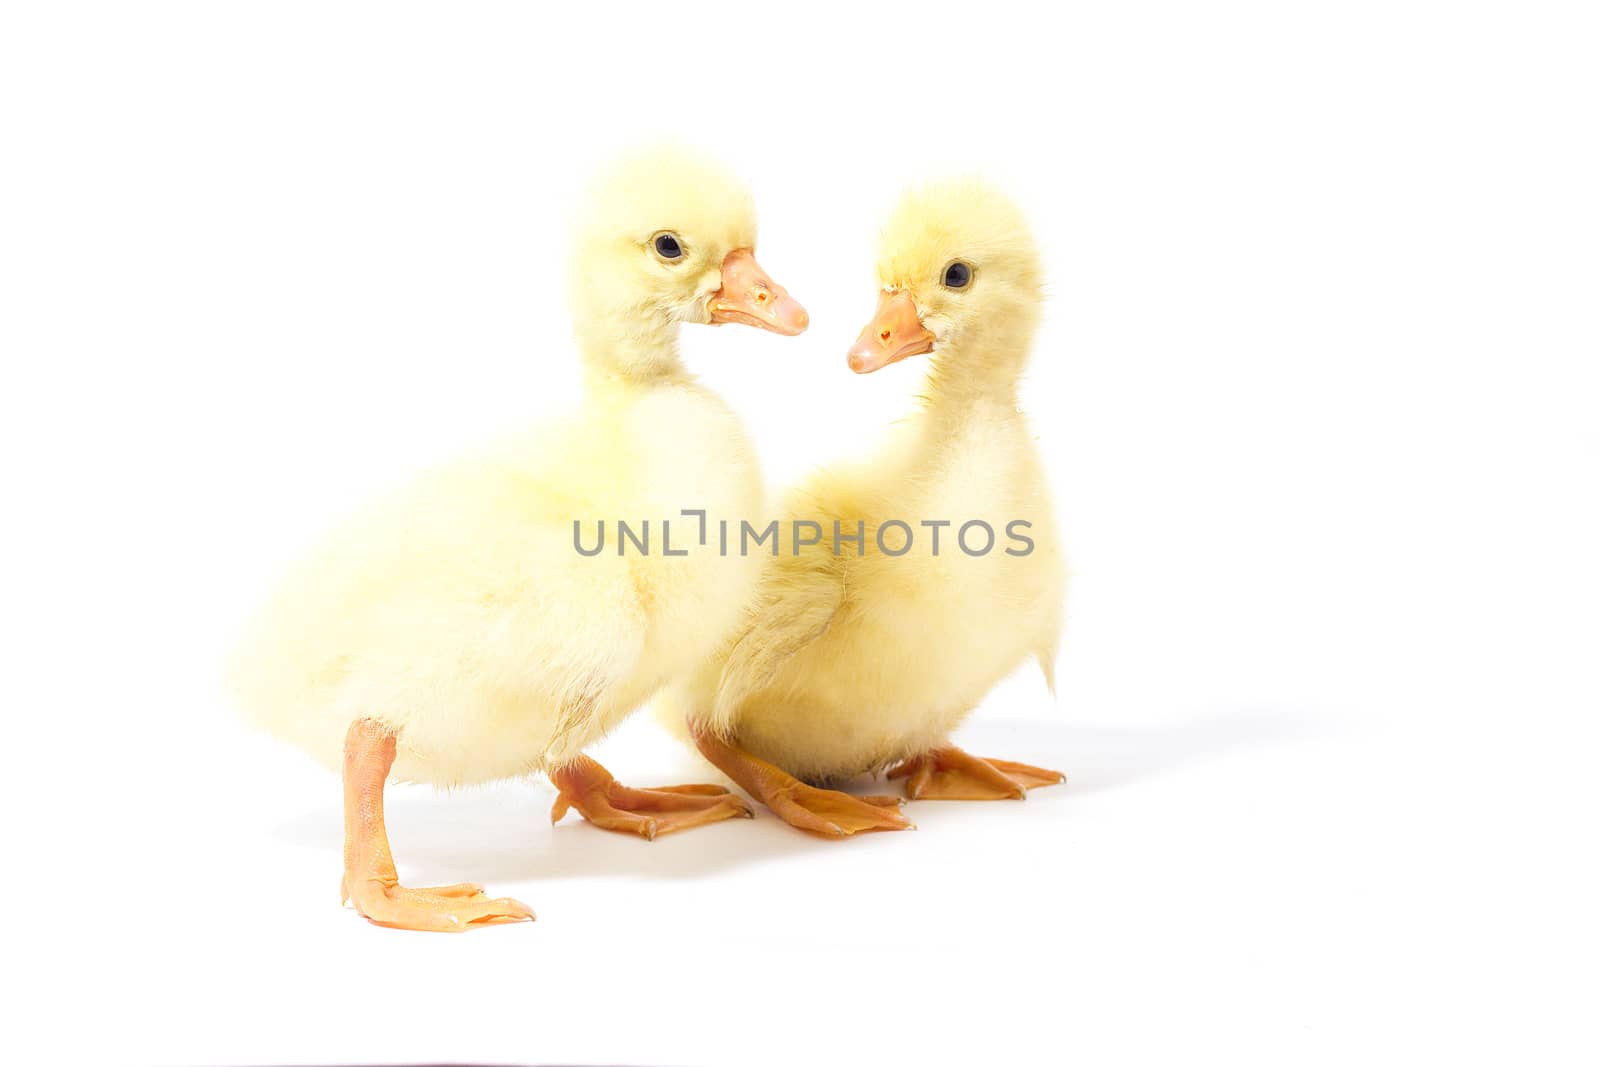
(848, 663)
(456, 610)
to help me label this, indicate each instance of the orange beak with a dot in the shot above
(894, 333)
(749, 296)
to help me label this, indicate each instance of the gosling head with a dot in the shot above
(959, 277)
(668, 237)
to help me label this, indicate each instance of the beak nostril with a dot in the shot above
(884, 336)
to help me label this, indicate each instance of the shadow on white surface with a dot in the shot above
(501, 833)
(1103, 758)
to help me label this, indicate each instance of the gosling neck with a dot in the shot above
(619, 349)
(973, 378)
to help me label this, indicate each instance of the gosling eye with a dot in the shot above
(958, 275)
(668, 246)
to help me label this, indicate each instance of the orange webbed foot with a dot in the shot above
(827, 812)
(951, 774)
(833, 813)
(449, 908)
(610, 805)
(370, 881)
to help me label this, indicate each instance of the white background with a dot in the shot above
(1317, 381)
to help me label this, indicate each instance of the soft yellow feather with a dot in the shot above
(848, 663)
(457, 610)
